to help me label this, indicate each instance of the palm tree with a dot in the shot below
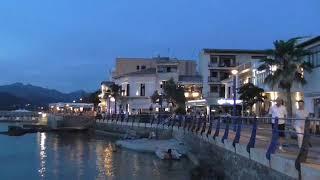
(286, 67)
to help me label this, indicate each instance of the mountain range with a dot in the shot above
(20, 95)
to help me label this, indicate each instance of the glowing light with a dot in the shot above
(44, 115)
(274, 68)
(74, 101)
(195, 94)
(112, 99)
(234, 72)
(228, 101)
(43, 154)
(298, 98)
(137, 93)
(186, 94)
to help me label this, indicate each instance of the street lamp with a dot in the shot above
(234, 73)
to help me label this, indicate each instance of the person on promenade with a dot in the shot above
(300, 115)
(279, 110)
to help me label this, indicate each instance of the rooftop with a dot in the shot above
(158, 59)
(236, 51)
(141, 72)
(309, 41)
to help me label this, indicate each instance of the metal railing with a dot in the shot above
(250, 131)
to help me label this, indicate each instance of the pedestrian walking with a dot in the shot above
(279, 111)
(300, 115)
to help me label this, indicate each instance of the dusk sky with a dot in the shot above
(70, 44)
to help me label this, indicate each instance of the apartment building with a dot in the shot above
(215, 67)
(139, 78)
(312, 88)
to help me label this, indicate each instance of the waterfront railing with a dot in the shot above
(254, 132)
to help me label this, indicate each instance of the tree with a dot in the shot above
(174, 94)
(250, 95)
(115, 93)
(93, 98)
(286, 67)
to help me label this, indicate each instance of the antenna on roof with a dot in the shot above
(109, 74)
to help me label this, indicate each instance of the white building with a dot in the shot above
(139, 78)
(215, 67)
(312, 88)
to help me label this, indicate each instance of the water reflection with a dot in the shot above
(81, 156)
(108, 160)
(42, 154)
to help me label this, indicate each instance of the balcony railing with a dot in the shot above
(244, 66)
(222, 65)
(216, 79)
(213, 79)
(196, 78)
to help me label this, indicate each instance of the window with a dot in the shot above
(128, 89)
(214, 89)
(258, 57)
(138, 67)
(214, 74)
(168, 69)
(143, 67)
(314, 59)
(142, 89)
(222, 91)
(224, 75)
(227, 61)
(213, 59)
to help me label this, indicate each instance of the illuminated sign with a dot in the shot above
(228, 101)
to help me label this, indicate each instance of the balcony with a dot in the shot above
(222, 65)
(216, 95)
(216, 79)
(244, 67)
(213, 79)
(196, 78)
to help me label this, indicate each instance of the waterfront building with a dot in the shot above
(139, 78)
(312, 88)
(105, 96)
(216, 66)
(70, 107)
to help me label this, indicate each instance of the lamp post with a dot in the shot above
(234, 88)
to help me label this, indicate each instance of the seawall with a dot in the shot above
(222, 158)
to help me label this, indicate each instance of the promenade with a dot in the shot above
(247, 136)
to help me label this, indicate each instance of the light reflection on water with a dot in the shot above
(43, 155)
(80, 156)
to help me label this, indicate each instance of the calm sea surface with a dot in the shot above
(80, 156)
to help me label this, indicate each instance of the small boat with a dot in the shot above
(161, 153)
